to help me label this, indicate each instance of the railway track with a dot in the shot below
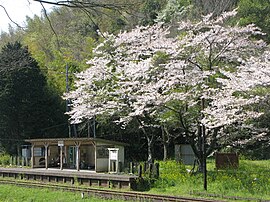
(107, 194)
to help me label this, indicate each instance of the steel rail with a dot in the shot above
(108, 194)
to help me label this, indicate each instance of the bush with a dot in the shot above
(142, 184)
(4, 159)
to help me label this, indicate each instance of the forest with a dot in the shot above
(151, 73)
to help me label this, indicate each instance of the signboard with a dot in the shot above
(113, 155)
(61, 143)
(113, 160)
(227, 160)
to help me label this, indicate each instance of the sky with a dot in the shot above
(18, 10)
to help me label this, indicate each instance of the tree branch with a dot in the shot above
(79, 4)
(195, 64)
(11, 18)
(50, 23)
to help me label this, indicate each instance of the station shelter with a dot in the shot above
(75, 153)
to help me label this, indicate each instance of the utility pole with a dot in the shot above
(67, 101)
(204, 166)
(71, 127)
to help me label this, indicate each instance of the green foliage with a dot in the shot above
(174, 10)
(70, 42)
(216, 7)
(112, 22)
(257, 12)
(4, 159)
(72, 45)
(25, 102)
(160, 58)
(171, 173)
(250, 180)
(21, 88)
(142, 184)
(150, 9)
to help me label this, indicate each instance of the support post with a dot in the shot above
(78, 144)
(61, 157)
(46, 155)
(109, 166)
(32, 156)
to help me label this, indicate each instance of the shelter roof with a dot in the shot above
(70, 141)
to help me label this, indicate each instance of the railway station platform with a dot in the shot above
(87, 178)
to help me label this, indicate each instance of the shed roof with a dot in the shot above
(70, 141)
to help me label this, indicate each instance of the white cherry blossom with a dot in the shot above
(137, 73)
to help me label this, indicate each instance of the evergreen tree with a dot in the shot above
(24, 102)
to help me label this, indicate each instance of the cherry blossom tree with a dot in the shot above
(109, 88)
(205, 73)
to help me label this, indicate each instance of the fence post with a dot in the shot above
(145, 167)
(140, 171)
(156, 170)
(26, 161)
(10, 160)
(18, 161)
(131, 168)
(23, 161)
(150, 170)
(15, 160)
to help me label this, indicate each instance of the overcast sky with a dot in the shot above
(18, 10)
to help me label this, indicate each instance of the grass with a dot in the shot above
(9, 193)
(250, 180)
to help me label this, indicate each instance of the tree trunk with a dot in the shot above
(149, 149)
(197, 146)
(165, 140)
(165, 152)
(149, 142)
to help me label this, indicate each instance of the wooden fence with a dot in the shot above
(150, 170)
(19, 161)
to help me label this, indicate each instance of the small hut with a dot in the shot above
(75, 153)
(185, 154)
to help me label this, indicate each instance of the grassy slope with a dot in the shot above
(252, 179)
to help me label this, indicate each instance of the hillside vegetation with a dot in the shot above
(61, 43)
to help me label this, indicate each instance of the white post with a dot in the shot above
(32, 156)
(46, 155)
(61, 157)
(78, 144)
(95, 147)
(109, 169)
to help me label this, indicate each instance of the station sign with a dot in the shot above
(61, 143)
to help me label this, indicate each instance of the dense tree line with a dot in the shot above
(27, 108)
(66, 37)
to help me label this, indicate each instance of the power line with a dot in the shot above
(55, 126)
